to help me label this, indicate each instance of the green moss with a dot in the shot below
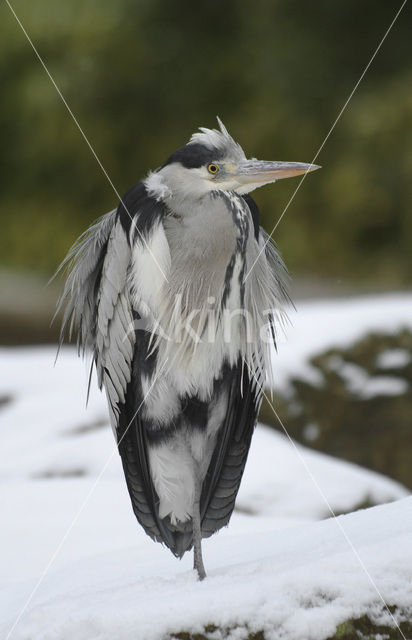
(211, 629)
(362, 628)
(186, 635)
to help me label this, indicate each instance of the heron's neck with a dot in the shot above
(202, 237)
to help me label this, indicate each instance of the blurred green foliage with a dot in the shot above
(142, 75)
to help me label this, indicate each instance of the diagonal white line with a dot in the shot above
(84, 503)
(326, 501)
(329, 133)
(85, 138)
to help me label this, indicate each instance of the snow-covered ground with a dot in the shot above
(68, 531)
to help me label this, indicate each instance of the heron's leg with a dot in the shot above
(197, 536)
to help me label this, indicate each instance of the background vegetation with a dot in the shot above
(142, 75)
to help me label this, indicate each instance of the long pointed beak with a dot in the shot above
(262, 172)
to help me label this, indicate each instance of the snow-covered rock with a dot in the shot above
(294, 584)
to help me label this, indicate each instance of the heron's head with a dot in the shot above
(212, 161)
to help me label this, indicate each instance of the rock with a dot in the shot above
(362, 411)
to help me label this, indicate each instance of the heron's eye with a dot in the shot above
(212, 168)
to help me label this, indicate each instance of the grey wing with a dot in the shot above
(84, 263)
(97, 305)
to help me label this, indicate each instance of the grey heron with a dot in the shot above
(177, 293)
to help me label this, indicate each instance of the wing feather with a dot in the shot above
(228, 461)
(84, 263)
(102, 306)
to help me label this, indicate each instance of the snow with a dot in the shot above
(384, 386)
(280, 566)
(297, 583)
(283, 479)
(393, 359)
(361, 384)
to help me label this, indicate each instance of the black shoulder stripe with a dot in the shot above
(254, 210)
(137, 201)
